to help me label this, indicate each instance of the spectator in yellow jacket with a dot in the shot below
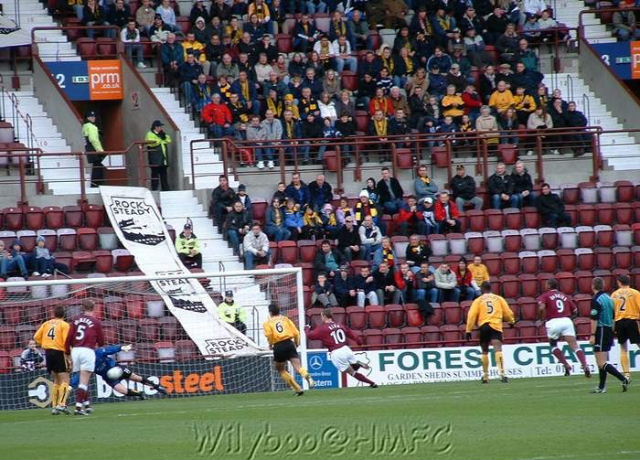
(502, 98)
(479, 271)
(452, 104)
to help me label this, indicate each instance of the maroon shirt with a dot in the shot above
(332, 335)
(85, 331)
(557, 304)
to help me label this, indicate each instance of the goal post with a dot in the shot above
(178, 337)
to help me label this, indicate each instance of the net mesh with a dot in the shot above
(133, 313)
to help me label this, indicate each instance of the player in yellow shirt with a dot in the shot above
(487, 313)
(284, 337)
(52, 336)
(627, 325)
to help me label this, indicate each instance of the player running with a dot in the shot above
(105, 362)
(557, 308)
(85, 334)
(627, 325)
(487, 312)
(284, 337)
(52, 337)
(602, 310)
(334, 337)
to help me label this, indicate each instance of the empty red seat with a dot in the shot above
(13, 218)
(148, 329)
(288, 252)
(528, 308)
(566, 282)
(475, 242)
(568, 259)
(6, 363)
(373, 337)
(259, 210)
(510, 286)
(437, 318)
(529, 261)
(605, 235)
(583, 304)
(54, 217)
(586, 214)
(83, 260)
(549, 237)
(392, 336)
(452, 313)
(404, 158)
(313, 316)
(412, 337)
(495, 219)
(586, 236)
(135, 306)
(395, 315)
(604, 258)
(528, 284)
(307, 273)
(607, 277)
(548, 260)
(86, 47)
(623, 257)
(357, 317)
(451, 335)
(431, 335)
(511, 263)
(531, 217)
(527, 330)
(477, 220)
(605, 213)
(570, 194)
(67, 239)
(94, 215)
(34, 218)
(104, 261)
(376, 316)
(512, 240)
(285, 43)
(114, 307)
(508, 153)
(584, 278)
(509, 334)
(513, 218)
(87, 239)
(8, 338)
(586, 258)
(73, 216)
(168, 328)
(186, 350)
(123, 260)
(110, 332)
(625, 190)
(624, 213)
(308, 250)
(583, 327)
(128, 330)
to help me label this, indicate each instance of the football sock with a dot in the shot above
(603, 377)
(611, 369)
(304, 373)
(55, 395)
(624, 361)
(288, 378)
(485, 365)
(500, 361)
(582, 357)
(362, 378)
(81, 395)
(65, 391)
(560, 356)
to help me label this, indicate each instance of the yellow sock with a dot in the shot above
(304, 373)
(65, 391)
(290, 381)
(55, 395)
(624, 361)
(485, 365)
(500, 361)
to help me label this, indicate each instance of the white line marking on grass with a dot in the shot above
(598, 454)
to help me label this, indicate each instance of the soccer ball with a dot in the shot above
(115, 373)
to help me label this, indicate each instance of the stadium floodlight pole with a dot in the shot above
(301, 324)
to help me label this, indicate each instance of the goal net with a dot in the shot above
(133, 312)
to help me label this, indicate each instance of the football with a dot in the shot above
(115, 373)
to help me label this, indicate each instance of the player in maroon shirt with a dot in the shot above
(558, 309)
(85, 335)
(334, 337)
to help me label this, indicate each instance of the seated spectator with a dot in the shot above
(385, 253)
(256, 132)
(256, 247)
(227, 68)
(510, 125)
(236, 226)
(456, 79)
(344, 287)
(327, 107)
(193, 46)
(202, 94)
(312, 127)
(527, 78)
(539, 119)
(323, 292)
(487, 83)
(527, 56)
(547, 22)
(263, 70)
(399, 126)
(349, 240)
(160, 32)
(426, 284)
(463, 188)
(204, 36)
(94, 15)
(298, 191)
(358, 28)
(366, 91)
(189, 72)
(31, 358)
(522, 186)
(379, 126)
(370, 237)
(576, 119)
(448, 127)
(331, 86)
(145, 16)
(346, 129)
(531, 30)
(293, 219)
(447, 214)
(246, 90)
(233, 313)
(487, 125)
(502, 98)
(524, 104)
(417, 252)
(219, 118)
(410, 218)
(371, 189)
(130, 36)
(386, 290)
(440, 61)
(222, 199)
(447, 284)
(437, 82)
(390, 192)
(280, 194)
(551, 208)
(313, 227)
(429, 216)
(404, 66)
(274, 222)
(188, 248)
(44, 261)
(273, 133)
(305, 34)
(507, 44)
(167, 13)
(472, 102)
(365, 286)
(245, 199)
(329, 221)
(382, 103)
(344, 210)
(501, 188)
(172, 56)
(320, 192)
(466, 284)
(476, 48)
(479, 272)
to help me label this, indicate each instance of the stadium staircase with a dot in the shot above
(567, 12)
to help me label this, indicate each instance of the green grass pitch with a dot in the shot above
(544, 418)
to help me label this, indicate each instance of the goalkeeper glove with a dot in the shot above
(467, 336)
(126, 347)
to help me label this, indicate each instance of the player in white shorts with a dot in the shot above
(84, 359)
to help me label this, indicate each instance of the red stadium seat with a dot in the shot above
(584, 278)
(307, 273)
(123, 260)
(570, 194)
(508, 153)
(94, 215)
(431, 335)
(313, 316)
(88, 239)
(83, 260)
(67, 239)
(586, 214)
(604, 258)
(583, 327)
(583, 303)
(475, 242)
(566, 282)
(128, 331)
(110, 332)
(28, 239)
(528, 309)
(393, 337)
(6, 364)
(8, 338)
(339, 315)
(13, 218)
(549, 237)
(451, 335)
(135, 306)
(373, 337)
(477, 220)
(605, 213)
(149, 329)
(510, 286)
(495, 219)
(623, 257)
(568, 259)
(527, 330)
(308, 250)
(607, 277)
(531, 217)
(288, 252)
(511, 263)
(625, 190)
(452, 313)
(624, 213)
(437, 318)
(86, 47)
(357, 317)
(376, 316)
(509, 334)
(605, 235)
(104, 261)
(259, 210)
(586, 258)
(73, 216)
(586, 236)
(186, 350)
(512, 240)
(513, 218)
(548, 261)
(285, 43)
(412, 337)
(528, 284)
(529, 261)
(168, 328)
(114, 307)
(395, 315)
(34, 218)
(496, 284)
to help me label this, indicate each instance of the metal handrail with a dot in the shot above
(570, 87)
(586, 104)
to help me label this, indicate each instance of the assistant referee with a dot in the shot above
(52, 336)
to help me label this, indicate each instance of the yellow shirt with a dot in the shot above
(627, 303)
(447, 105)
(52, 334)
(491, 309)
(194, 46)
(279, 328)
(501, 101)
(520, 101)
(479, 272)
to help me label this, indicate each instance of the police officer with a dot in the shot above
(92, 144)
(232, 313)
(158, 141)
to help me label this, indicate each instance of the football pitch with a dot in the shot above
(544, 418)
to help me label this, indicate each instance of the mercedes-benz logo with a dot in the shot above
(315, 362)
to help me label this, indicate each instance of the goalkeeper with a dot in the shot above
(105, 363)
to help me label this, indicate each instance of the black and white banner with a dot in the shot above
(11, 34)
(139, 226)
